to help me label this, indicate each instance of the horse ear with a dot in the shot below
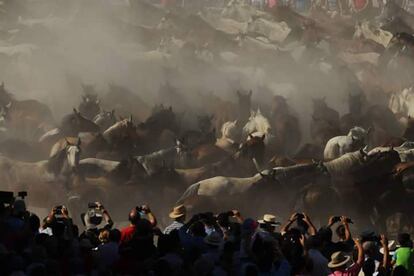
(113, 112)
(263, 137)
(235, 122)
(258, 111)
(78, 143)
(130, 119)
(67, 142)
(251, 136)
(75, 111)
(8, 105)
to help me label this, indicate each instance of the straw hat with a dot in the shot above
(392, 246)
(338, 259)
(214, 239)
(178, 212)
(269, 219)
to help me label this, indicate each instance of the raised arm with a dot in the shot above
(360, 260)
(312, 229)
(106, 216)
(348, 235)
(386, 257)
(237, 216)
(287, 225)
(151, 217)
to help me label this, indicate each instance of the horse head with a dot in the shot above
(73, 152)
(205, 122)
(253, 147)
(81, 124)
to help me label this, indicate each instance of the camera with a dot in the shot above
(58, 210)
(9, 198)
(338, 219)
(92, 205)
(300, 216)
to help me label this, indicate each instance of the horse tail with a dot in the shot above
(191, 192)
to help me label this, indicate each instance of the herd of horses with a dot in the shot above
(257, 157)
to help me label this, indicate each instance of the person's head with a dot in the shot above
(178, 213)
(92, 218)
(103, 236)
(313, 242)
(404, 240)
(198, 229)
(399, 271)
(369, 267)
(370, 248)
(34, 223)
(339, 261)
(134, 216)
(325, 234)
(268, 223)
(19, 208)
(114, 236)
(340, 232)
(213, 240)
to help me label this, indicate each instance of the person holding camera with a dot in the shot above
(303, 223)
(92, 219)
(135, 217)
(345, 243)
(58, 223)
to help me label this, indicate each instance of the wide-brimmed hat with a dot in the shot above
(214, 239)
(392, 246)
(178, 212)
(269, 219)
(338, 259)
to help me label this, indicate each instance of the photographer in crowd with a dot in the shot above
(92, 219)
(207, 244)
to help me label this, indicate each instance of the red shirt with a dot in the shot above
(127, 233)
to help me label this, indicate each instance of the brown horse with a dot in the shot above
(90, 105)
(285, 127)
(26, 118)
(325, 122)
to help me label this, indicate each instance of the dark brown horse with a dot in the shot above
(26, 118)
(90, 105)
(325, 122)
(285, 127)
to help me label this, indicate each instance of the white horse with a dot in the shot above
(154, 162)
(229, 136)
(258, 125)
(221, 186)
(357, 137)
(402, 103)
(105, 119)
(405, 151)
(56, 169)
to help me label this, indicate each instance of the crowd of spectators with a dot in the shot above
(203, 244)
